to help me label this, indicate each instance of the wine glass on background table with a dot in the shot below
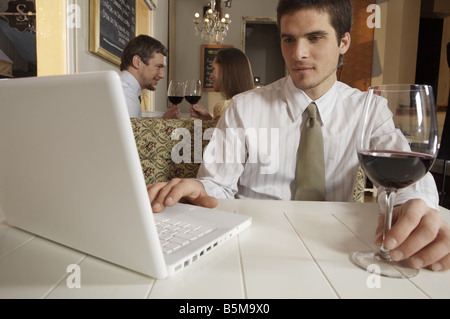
(397, 157)
(176, 92)
(193, 91)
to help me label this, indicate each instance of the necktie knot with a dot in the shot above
(312, 113)
(312, 110)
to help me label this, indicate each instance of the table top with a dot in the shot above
(292, 250)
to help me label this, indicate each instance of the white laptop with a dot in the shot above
(70, 172)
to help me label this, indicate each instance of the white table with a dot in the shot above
(292, 250)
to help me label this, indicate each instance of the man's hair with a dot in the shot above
(237, 76)
(143, 46)
(339, 11)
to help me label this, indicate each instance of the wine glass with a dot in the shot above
(176, 92)
(395, 153)
(193, 91)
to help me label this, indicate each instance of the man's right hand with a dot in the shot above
(172, 113)
(177, 190)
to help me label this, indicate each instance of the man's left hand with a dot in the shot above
(418, 233)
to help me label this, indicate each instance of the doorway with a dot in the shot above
(429, 52)
(261, 44)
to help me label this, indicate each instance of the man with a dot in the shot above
(143, 65)
(315, 34)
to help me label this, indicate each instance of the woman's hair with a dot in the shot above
(237, 76)
(145, 47)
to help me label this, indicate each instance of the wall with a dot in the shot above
(161, 32)
(86, 61)
(395, 50)
(51, 37)
(187, 44)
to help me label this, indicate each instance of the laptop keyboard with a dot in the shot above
(175, 234)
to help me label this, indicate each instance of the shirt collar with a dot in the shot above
(131, 81)
(298, 101)
(326, 103)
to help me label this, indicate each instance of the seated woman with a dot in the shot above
(231, 75)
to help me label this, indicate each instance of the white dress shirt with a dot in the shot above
(132, 90)
(266, 123)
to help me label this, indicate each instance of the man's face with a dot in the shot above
(149, 75)
(311, 50)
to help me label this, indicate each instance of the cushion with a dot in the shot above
(155, 144)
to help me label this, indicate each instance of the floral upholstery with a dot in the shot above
(155, 146)
(358, 191)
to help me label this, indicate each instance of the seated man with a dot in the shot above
(314, 37)
(143, 65)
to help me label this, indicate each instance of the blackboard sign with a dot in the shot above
(208, 53)
(113, 25)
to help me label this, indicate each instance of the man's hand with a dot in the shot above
(176, 190)
(418, 233)
(172, 113)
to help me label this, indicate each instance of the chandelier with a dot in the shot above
(213, 26)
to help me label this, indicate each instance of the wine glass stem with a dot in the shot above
(390, 196)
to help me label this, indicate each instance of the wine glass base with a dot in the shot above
(373, 262)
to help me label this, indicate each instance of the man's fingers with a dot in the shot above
(170, 193)
(153, 190)
(206, 201)
(425, 233)
(418, 233)
(176, 190)
(406, 218)
(435, 255)
(442, 264)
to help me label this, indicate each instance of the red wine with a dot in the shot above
(175, 100)
(395, 170)
(192, 99)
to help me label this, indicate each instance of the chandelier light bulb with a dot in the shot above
(197, 18)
